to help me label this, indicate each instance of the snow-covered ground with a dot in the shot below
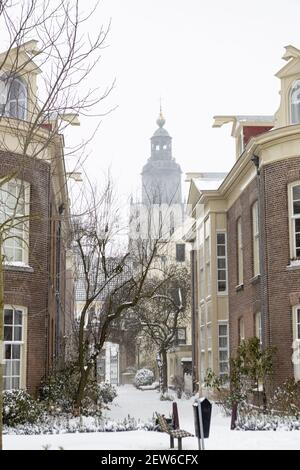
(142, 405)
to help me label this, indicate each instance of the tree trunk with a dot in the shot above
(84, 376)
(265, 400)
(234, 415)
(164, 371)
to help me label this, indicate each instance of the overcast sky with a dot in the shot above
(203, 58)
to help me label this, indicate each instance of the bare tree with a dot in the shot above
(111, 282)
(161, 315)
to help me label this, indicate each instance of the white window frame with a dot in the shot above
(292, 221)
(221, 348)
(241, 331)
(297, 102)
(22, 343)
(255, 239)
(240, 254)
(6, 100)
(222, 292)
(258, 326)
(25, 223)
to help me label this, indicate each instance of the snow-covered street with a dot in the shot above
(142, 405)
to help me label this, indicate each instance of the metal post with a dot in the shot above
(201, 425)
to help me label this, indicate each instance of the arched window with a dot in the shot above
(295, 103)
(13, 97)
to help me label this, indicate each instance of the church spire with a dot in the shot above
(161, 120)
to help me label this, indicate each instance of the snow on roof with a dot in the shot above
(251, 118)
(209, 181)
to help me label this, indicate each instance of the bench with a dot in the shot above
(173, 433)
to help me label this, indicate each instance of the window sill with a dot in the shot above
(294, 264)
(239, 288)
(255, 279)
(18, 267)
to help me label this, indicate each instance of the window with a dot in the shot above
(221, 262)
(180, 336)
(241, 329)
(201, 282)
(240, 262)
(13, 98)
(180, 252)
(295, 220)
(223, 350)
(258, 330)
(255, 238)
(14, 204)
(14, 333)
(295, 103)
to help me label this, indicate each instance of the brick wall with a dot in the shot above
(244, 301)
(279, 285)
(31, 287)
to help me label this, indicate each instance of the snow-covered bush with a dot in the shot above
(143, 377)
(19, 408)
(57, 393)
(62, 424)
(107, 392)
(286, 399)
(166, 396)
(256, 420)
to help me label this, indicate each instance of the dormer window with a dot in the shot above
(13, 98)
(295, 103)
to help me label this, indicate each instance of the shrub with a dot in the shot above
(19, 408)
(107, 392)
(57, 392)
(286, 399)
(143, 377)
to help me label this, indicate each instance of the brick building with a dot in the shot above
(34, 205)
(260, 198)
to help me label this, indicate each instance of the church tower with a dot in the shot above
(161, 176)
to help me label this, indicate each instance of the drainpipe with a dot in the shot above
(193, 285)
(263, 278)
